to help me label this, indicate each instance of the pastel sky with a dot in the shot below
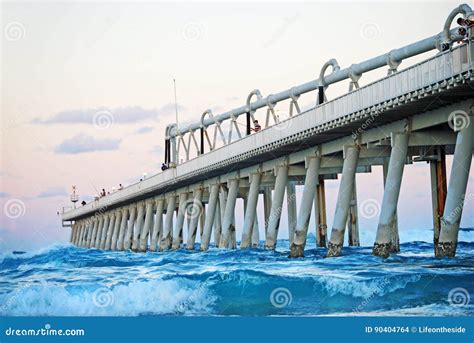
(64, 62)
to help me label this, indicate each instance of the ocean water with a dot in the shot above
(70, 281)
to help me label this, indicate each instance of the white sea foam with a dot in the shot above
(178, 296)
(365, 288)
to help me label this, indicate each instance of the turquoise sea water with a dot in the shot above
(66, 280)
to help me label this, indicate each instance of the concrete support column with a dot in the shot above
(250, 210)
(102, 230)
(218, 220)
(116, 231)
(267, 206)
(83, 233)
(346, 187)
(202, 220)
(195, 213)
(127, 239)
(229, 213)
(291, 209)
(277, 206)
(448, 238)
(85, 230)
(255, 233)
(178, 229)
(395, 246)
(139, 225)
(73, 231)
(352, 219)
(158, 225)
(384, 240)
(90, 230)
(123, 229)
(97, 231)
(92, 237)
(301, 231)
(212, 213)
(439, 190)
(167, 238)
(147, 226)
(77, 232)
(74, 228)
(322, 221)
(107, 235)
(232, 235)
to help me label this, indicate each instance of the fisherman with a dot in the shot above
(120, 187)
(164, 166)
(83, 203)
(465, 24)
(257, 126)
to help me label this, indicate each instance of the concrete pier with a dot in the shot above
(390, 122)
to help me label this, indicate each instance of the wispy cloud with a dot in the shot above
(144, 129)
(121, 115)
(53, 192)
(85, 143)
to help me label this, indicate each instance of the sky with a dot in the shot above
(87, 90)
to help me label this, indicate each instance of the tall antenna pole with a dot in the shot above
(175, 102)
